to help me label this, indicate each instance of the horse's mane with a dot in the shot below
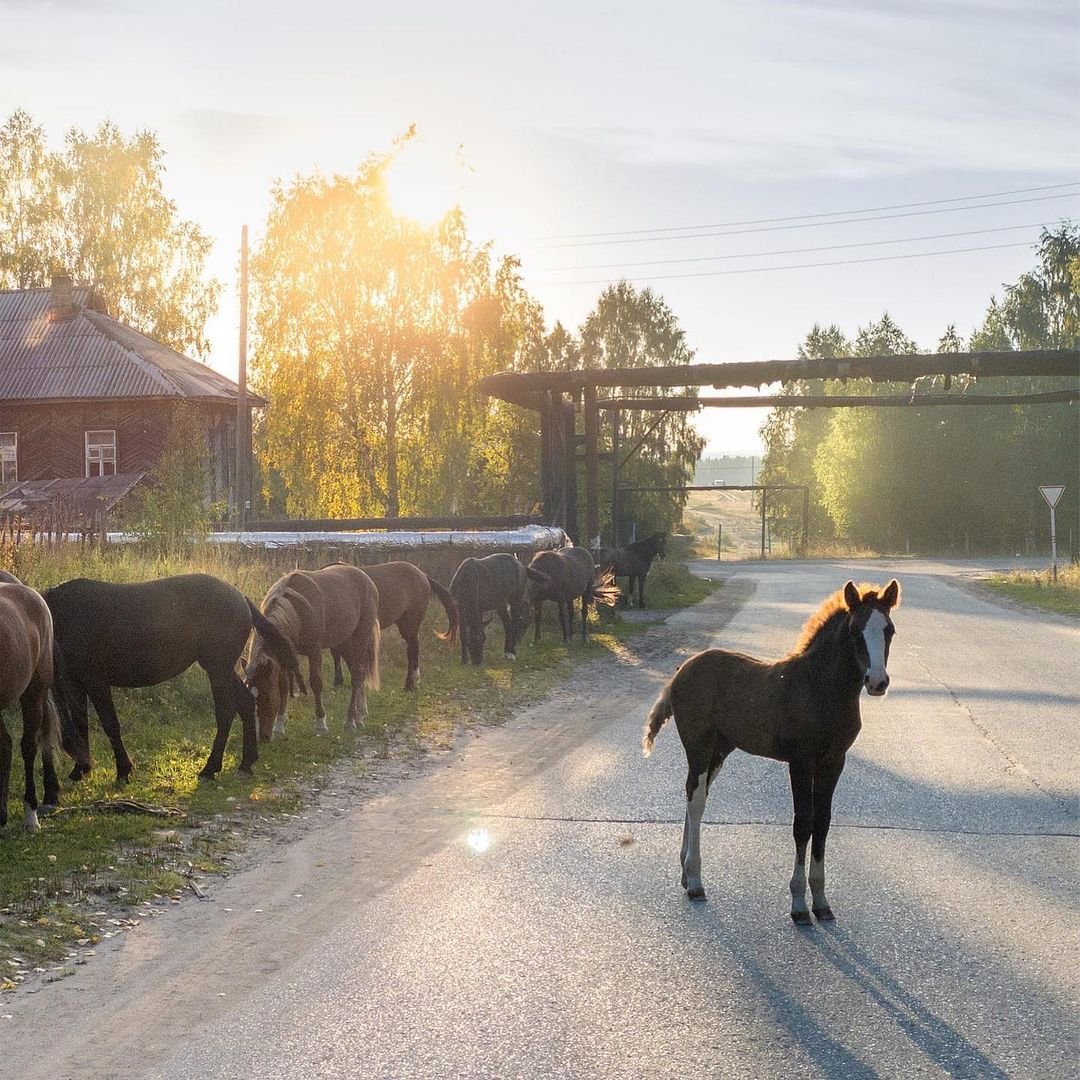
(831, 606)
(278, 610)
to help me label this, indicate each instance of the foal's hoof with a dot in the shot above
(801, 918)
(824, 914)
(46, 808)
(206, 774)
(696, 892)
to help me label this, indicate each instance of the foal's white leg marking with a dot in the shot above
(30, 820)
(798, 889)
(320, 723)
(695, 810)
(817, 884)
(510, 656)
(874, 636)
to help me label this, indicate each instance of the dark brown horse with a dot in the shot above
(147, 633)
(335, 607)
(26, 676)
(634, 562)
(570, 573)
(803, 710)
(404, 594)
(495, 583)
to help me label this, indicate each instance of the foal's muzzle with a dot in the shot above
(876, 686)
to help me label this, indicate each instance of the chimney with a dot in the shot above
(62, 305)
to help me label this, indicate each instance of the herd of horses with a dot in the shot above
(67, 648)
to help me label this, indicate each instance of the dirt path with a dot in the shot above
(151, 990)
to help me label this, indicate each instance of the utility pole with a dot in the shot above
(243, 416)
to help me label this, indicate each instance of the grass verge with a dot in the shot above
(1036, 588)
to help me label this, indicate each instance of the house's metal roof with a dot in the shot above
(90, 356)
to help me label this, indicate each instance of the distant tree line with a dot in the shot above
(940, 479)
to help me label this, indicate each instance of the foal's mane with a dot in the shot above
(831, 606)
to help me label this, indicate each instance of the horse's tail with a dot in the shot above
(449, 606)
(658, 716)
(60, 697)
(467, 596)
(370, 654)
(277, 645)
(50, 740)
(603, 589)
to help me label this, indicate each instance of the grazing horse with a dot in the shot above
(570, 573)
(404, 594)
(336, 607)
(634, 562)
(146, 633)
(802, 710)
(26, 676)
(497, 583)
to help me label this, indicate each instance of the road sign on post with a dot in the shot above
(1051, 493)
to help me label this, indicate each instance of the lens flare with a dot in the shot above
(479, 840)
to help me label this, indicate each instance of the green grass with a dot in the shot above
(86, 860)
(1038, 589)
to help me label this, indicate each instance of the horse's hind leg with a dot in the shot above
(509, 619)
(698, 781)
(825, 779)
(33, 718)
(314, 660)
(802, 792)
(339, 679)
(410, 630)
(101, 696)
(5, 770)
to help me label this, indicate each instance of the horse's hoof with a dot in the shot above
(824, 914)
(47, 808)
(245, 770)
(205, 774)
(801, 918)
(696, 892)
(510, 656)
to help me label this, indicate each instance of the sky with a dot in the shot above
(554, 122)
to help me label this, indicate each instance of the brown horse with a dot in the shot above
(26, 676)
(569, 573)
(404, 594)
(335, 607)
(634, 562)
(497, 583)
(803, 710)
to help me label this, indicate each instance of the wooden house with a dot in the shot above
(83, 395)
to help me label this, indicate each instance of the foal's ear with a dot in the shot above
(851, 596)
(891, 596)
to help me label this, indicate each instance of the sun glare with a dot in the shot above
(425, 182)
(479, 840)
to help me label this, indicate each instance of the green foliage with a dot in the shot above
(1040, 590)
(938, 478)
(372, 331)
(171, 509)
(97, 210)
(636, 328)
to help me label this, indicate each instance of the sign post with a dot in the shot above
(1051, 493)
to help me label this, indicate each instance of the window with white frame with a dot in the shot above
(101, 453)
(9, 456)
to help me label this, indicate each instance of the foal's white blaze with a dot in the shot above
(877, 679)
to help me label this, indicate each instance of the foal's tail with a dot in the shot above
(449, 606)
(49, 739)
(658, 715)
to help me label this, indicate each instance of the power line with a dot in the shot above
(801, 217)
(800, 251)
(795, 266)
(805, 225)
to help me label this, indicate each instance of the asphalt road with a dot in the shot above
(518, 913)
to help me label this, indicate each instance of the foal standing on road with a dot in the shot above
(803, 710)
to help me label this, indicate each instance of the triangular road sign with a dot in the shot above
(1051, 493)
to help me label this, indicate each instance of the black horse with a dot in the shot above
(497, 583)
(634, 561)
(144, 634)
